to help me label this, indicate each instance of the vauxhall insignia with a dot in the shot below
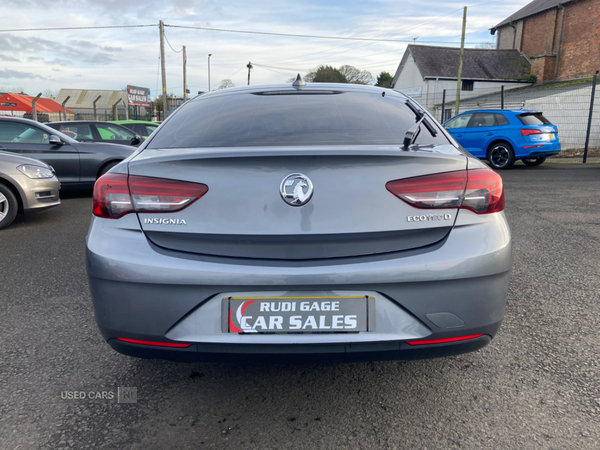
(296, 189)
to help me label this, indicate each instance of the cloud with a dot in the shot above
(8, 73)
(76, 51)
(112, 58)
(8, 58)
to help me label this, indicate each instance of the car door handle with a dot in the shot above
(458, 135)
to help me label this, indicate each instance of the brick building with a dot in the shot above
(561, 38)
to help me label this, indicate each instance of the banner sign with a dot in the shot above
(412, 91)
(138, 96)
(9, 105)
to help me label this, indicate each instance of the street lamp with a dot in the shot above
(209, 55)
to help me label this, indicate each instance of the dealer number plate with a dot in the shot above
(298, 314)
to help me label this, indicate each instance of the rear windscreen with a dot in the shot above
(533, 119)
(296, 118)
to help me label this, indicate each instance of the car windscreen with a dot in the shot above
(533, 119)
(291, 118)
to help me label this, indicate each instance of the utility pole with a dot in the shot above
(161, 27)
(249, 66)
(460, 62)
(184, 75)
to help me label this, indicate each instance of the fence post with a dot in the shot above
(115, 111)
(64, 107)
(589, 126)
(443, 104)
(95, 112)
(33, 107)
(502, 97)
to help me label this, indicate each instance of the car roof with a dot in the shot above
(514, 111)
(123, 122)
(80, 121)
(18, 119)
(343, 87)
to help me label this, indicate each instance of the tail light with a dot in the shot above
(479, 190)
(118, 194)
(529, 131)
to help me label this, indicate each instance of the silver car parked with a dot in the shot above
(317, 222)
(25, 185)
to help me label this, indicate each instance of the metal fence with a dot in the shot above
(573, 106)
(105, 115)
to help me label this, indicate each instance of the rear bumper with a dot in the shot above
(544, 150)
(544, 154)
(293, 353)
(141, 293)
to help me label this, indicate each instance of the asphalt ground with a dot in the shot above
(536, 386)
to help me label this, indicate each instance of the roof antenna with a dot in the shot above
(299, 82)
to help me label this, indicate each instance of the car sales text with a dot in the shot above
(300, 322)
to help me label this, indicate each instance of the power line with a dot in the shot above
(279, 68)
(15, 30)
(276, 71)
(167, 39)
(310, 35)
(229, 77)
(400, 31)
(346, 38)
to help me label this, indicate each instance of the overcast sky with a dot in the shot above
(112, 59)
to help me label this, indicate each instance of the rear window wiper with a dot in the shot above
(413, 131)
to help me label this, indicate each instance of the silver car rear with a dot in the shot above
(276, 222)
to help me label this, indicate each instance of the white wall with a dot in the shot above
(410, 77)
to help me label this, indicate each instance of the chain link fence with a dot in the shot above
(573, 106)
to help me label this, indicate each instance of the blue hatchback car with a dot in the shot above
(503, 136)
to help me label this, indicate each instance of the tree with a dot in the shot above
(12, 90)
(49, 93)
(384, 80)
(325, 74)
(157, 104)
(226, 83)
(356, 76)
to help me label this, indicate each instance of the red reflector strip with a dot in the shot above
(442, 341)
(533, 146)
(156, 344)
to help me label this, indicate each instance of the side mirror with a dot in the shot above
(137, 139)
(55, 140)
